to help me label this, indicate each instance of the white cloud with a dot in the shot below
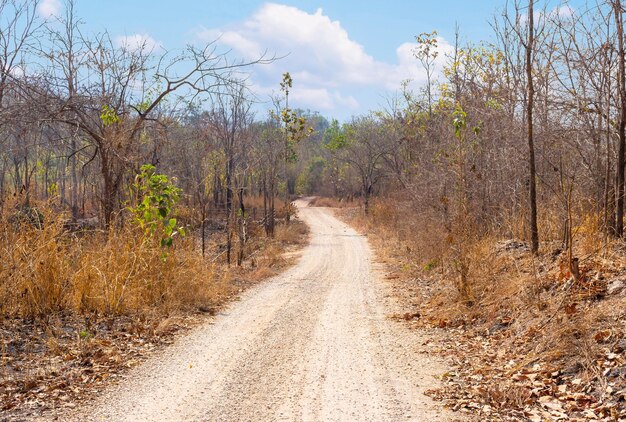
(17, 71)
(323, 60)
(137, 42)
(410, 68)
(542, 17)
(49, 8)
(564, 11)
(249, 48)
(324, 99)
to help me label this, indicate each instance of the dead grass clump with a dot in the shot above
(294, 233)
(323, 201)
(589, 234)
(267, 256)
(34, 268)
(412, 240)
(253, 201)
(48, 270)
(128, 273)
(269, 260)
(255, 206)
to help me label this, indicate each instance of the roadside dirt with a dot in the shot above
(316, 343)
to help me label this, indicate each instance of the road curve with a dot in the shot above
(313, 344)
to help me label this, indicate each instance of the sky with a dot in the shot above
(346, 57)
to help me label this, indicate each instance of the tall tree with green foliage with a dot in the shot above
(294, 129)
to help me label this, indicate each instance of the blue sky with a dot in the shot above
(345, 57)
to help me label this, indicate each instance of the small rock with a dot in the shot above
(615, 287)
(617, 372)
(511, 245)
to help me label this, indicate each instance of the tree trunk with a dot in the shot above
(534, 232)
(26, 181)
(608, 198)
(75, 187)
(2, 188)
(108, 199)
(229, 207)
(265, 205)
(242, 229)
(367, 191)
(619, 208)
(272, 194)
(217, 187)
(204, 212)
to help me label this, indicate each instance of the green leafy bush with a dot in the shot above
(156, 197)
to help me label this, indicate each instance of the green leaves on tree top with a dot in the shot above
(426, 48)
(294, 126)
(108, 115)
(335, 137)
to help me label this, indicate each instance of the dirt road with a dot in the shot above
(313, 344)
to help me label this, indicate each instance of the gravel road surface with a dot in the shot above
(313, 344)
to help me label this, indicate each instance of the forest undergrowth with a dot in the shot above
(80, 305)
(531, 341)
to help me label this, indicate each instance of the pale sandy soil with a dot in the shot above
(313, 344)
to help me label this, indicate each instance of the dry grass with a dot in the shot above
(49, 270)
(322, 201)
(408, 238)
(296, 233)
(254, 205)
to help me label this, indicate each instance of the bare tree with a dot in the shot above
(18, 27)
(365, 150)
(229, 120)
(18, 24)
(120, 100)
